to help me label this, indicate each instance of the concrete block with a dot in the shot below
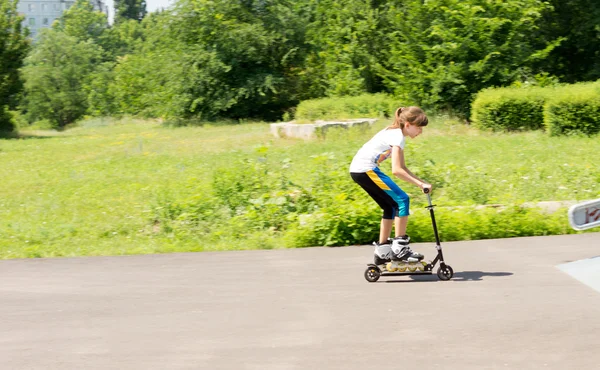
(311, 130)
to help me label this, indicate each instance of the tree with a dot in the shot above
(346, 43)
(445, 51)
(84, 23)
(129, 9)
(91, 27)
(242, 58)
(577, 23)
(125, 37)
(166, 77)
(14, 46)
(57, 77)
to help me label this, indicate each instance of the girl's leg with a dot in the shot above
(400, 226)
(385, 230)
(382, 198)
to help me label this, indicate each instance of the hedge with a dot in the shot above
(574, 109)
(561, 109)
(510, 109)
(361, 106)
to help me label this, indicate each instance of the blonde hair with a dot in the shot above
(413, 115)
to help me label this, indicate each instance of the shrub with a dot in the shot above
(574, 109)
(18, 119)
(510, 109)
(489, 223)
(6, 124)
(351, 224)
(362, 106)
(247, 196)
(345, 223)
(562, 109)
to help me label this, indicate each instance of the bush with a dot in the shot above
(18, 119)
(6, 124)
(510, 109)
(574, 109)
(470, 223)
(351, 224)
(345, 223)
(362, 106)
(562, 109)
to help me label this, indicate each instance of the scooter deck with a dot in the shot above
(384, 273)
(374, 272)
(418, 268)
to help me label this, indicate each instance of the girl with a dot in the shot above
(365, 171)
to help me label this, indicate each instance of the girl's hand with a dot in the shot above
(426, 186)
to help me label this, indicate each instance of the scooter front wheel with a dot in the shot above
(372, 274)
(445, 272)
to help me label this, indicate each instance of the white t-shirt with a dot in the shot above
(377, 150)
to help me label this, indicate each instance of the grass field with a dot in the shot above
(103, 188)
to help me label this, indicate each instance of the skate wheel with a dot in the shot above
(372, 274)
(445, 272)
(402, 268)
(412, 267)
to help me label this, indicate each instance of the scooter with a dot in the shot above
(444, 272)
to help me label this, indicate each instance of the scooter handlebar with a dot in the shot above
(426, 190)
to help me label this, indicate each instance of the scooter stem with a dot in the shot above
(429, 199)
(433, 223)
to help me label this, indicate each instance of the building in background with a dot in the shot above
(41, 13)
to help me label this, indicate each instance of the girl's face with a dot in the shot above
(412, 130)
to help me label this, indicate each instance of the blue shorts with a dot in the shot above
(388, 195)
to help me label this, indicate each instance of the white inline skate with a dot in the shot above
(396, 256)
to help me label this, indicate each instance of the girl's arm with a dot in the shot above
(400, 170)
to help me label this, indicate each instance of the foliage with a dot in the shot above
(243, 55)
(100, 98)
(362, 106)
(127, 36)
(83, 23)
(129, 10)
(151, 84)
(574, 110)
(444, 51)
(57, 72)
(346, 43)
(350, 225)
(147, 74)
(575, 23)
(560, 109)
(246, 59)
(69, 72)
(510, 109)
(13, 49)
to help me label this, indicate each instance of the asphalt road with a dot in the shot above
(508, 307)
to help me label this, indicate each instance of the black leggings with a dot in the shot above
(393, 201)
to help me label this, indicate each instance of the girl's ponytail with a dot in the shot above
(398, 122)
(414, 115)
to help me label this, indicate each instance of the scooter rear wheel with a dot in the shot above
(372, 274)
(445, 272)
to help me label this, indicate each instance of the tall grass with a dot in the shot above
(139, 187)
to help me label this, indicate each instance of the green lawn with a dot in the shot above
(133, 187)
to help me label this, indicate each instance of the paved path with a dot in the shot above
(508, 307)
